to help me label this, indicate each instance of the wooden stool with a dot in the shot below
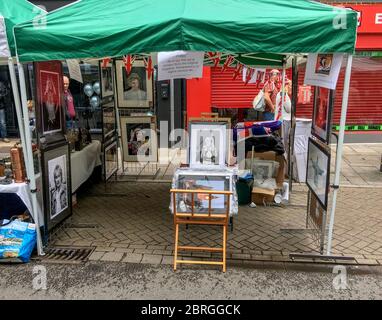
(209, 218)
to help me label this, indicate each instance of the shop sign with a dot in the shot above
(369, 17)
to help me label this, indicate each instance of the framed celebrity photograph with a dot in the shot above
(49, 93)
(57, 184)
(135, 90)
(208, 144)
(318, 171)
(107, 80)
(139, 139)
(111, 160)
(322, 113)
(324, 63)
(263, 169)
(197, 181)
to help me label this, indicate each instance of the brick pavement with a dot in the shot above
(133, 224)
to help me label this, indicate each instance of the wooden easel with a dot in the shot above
(209, 218)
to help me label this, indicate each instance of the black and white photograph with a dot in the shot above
(139, 139)
(107, 81)
(57, 184)
(58, 189)
(263, 169)
(208, 145)
(135, 90)
(318, 171)
(111, 160)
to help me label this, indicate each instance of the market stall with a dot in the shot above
(75, 32)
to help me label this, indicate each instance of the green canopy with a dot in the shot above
(111, 28)
(15, 12)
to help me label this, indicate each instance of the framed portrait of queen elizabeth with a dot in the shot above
(135, 90)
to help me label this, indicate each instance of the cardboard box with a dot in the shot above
(261, 196)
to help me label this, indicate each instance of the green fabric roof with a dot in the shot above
(15, 12)
(111, 28)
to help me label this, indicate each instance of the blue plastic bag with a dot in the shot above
(17, 241)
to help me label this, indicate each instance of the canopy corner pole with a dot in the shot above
(19, 113)
(341, 135)
(29, 164)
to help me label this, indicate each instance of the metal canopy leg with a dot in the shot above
(29, 164)
(345, 98)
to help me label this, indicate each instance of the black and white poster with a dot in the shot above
(58, 188)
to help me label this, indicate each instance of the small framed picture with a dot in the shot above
(57, 184)
(263, 169)
(317, 214)
(107, 80)
(49, 93)
(208, 144)
(322, 113)
(324, 63)
(139, 139)
(318, 171)
(135, 90)
(197, 181)
(111, 160)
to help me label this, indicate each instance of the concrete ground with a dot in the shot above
(102, 280)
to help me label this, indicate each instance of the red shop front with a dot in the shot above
(218, 92)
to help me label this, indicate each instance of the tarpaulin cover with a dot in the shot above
(14, 12)
(112, 28)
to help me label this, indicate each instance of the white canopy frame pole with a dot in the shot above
(283, 88)
(16, 97)
(345, 98)
(29, 164)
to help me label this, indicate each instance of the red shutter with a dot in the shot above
(365, 97)
(229, 93)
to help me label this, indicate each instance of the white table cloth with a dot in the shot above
(83, 163)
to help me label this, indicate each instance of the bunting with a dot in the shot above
(105, 62)
(128, 60)
(149, 66)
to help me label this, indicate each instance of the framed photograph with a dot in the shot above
(324, 63)
(318, 171)
(107, 80)
(109, 121)
(322, 113)
(57, 184)
(208, 145)
(111, 160)
(139, 139)
(201, 201)
(135, 90)
(263, 169)
(49, 93)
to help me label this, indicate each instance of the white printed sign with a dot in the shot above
(322, 70)
(180, 65)
(74, 70)
(4, 50)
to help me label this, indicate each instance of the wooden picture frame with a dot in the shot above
(322, 113)
(139, 139)
(56, 184)
(318, 171)
(135, 90)
(109, 121)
